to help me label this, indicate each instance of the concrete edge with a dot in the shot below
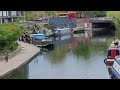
(11, 72)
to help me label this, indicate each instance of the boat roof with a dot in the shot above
(39, 36)
(117, 59)
(117, 48)
(62, 28)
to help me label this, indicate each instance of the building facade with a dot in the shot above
(11, 16)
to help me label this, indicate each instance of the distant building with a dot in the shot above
(64, 20)
(10, 16)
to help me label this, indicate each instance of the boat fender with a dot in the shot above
(105, 61)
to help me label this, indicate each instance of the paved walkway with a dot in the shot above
(25, 56)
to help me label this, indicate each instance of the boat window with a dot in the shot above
(113, 53)
(117, 52)
(109, 54)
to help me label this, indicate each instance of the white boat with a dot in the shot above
(115, 70)
(62, 32)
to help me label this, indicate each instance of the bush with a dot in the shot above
(99, 13)
(9, 34)
(13, 46)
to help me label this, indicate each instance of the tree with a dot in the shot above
(9, 34)
(98, 13)
(79, 14)
(52, 13)
(115, 17)
(32, 15)
(84, 14)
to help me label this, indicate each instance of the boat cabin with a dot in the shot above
(114, 49)
(40, 40)
(112, 52)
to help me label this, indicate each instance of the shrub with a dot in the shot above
(9, 34)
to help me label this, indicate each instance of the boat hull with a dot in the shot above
(79, 31)
(62, 32)
(46, 46)
(114, 74)
(109, 62)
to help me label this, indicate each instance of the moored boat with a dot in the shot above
(78, 30)
(115, 69)
(113, 50)
(40, 40)
(61, 32)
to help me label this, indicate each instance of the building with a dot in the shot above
(11, 16)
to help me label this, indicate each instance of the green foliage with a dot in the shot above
(82, 14)
(48, 26)
(9, 34)
(32, 15)
(19, 19)
(13, 46)
(98, 13)
(52, 13)
(115, 17)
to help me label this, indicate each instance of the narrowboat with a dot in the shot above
(78, 30)
(113, 50)
(115, 70)
(62, 32)
(40, 40)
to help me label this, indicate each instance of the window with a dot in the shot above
(9, 13)
(113, 53)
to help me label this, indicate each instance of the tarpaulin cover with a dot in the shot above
(39, 36)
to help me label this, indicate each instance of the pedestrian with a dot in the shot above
(6, 57)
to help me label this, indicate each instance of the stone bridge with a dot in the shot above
(101, 23)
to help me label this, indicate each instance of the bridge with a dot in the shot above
(101, 23)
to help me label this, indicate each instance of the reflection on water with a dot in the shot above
(22, 73)
(77, 56)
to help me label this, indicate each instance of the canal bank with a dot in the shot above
(80, 56)
(25, 56)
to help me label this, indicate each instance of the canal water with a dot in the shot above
(77, 56)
